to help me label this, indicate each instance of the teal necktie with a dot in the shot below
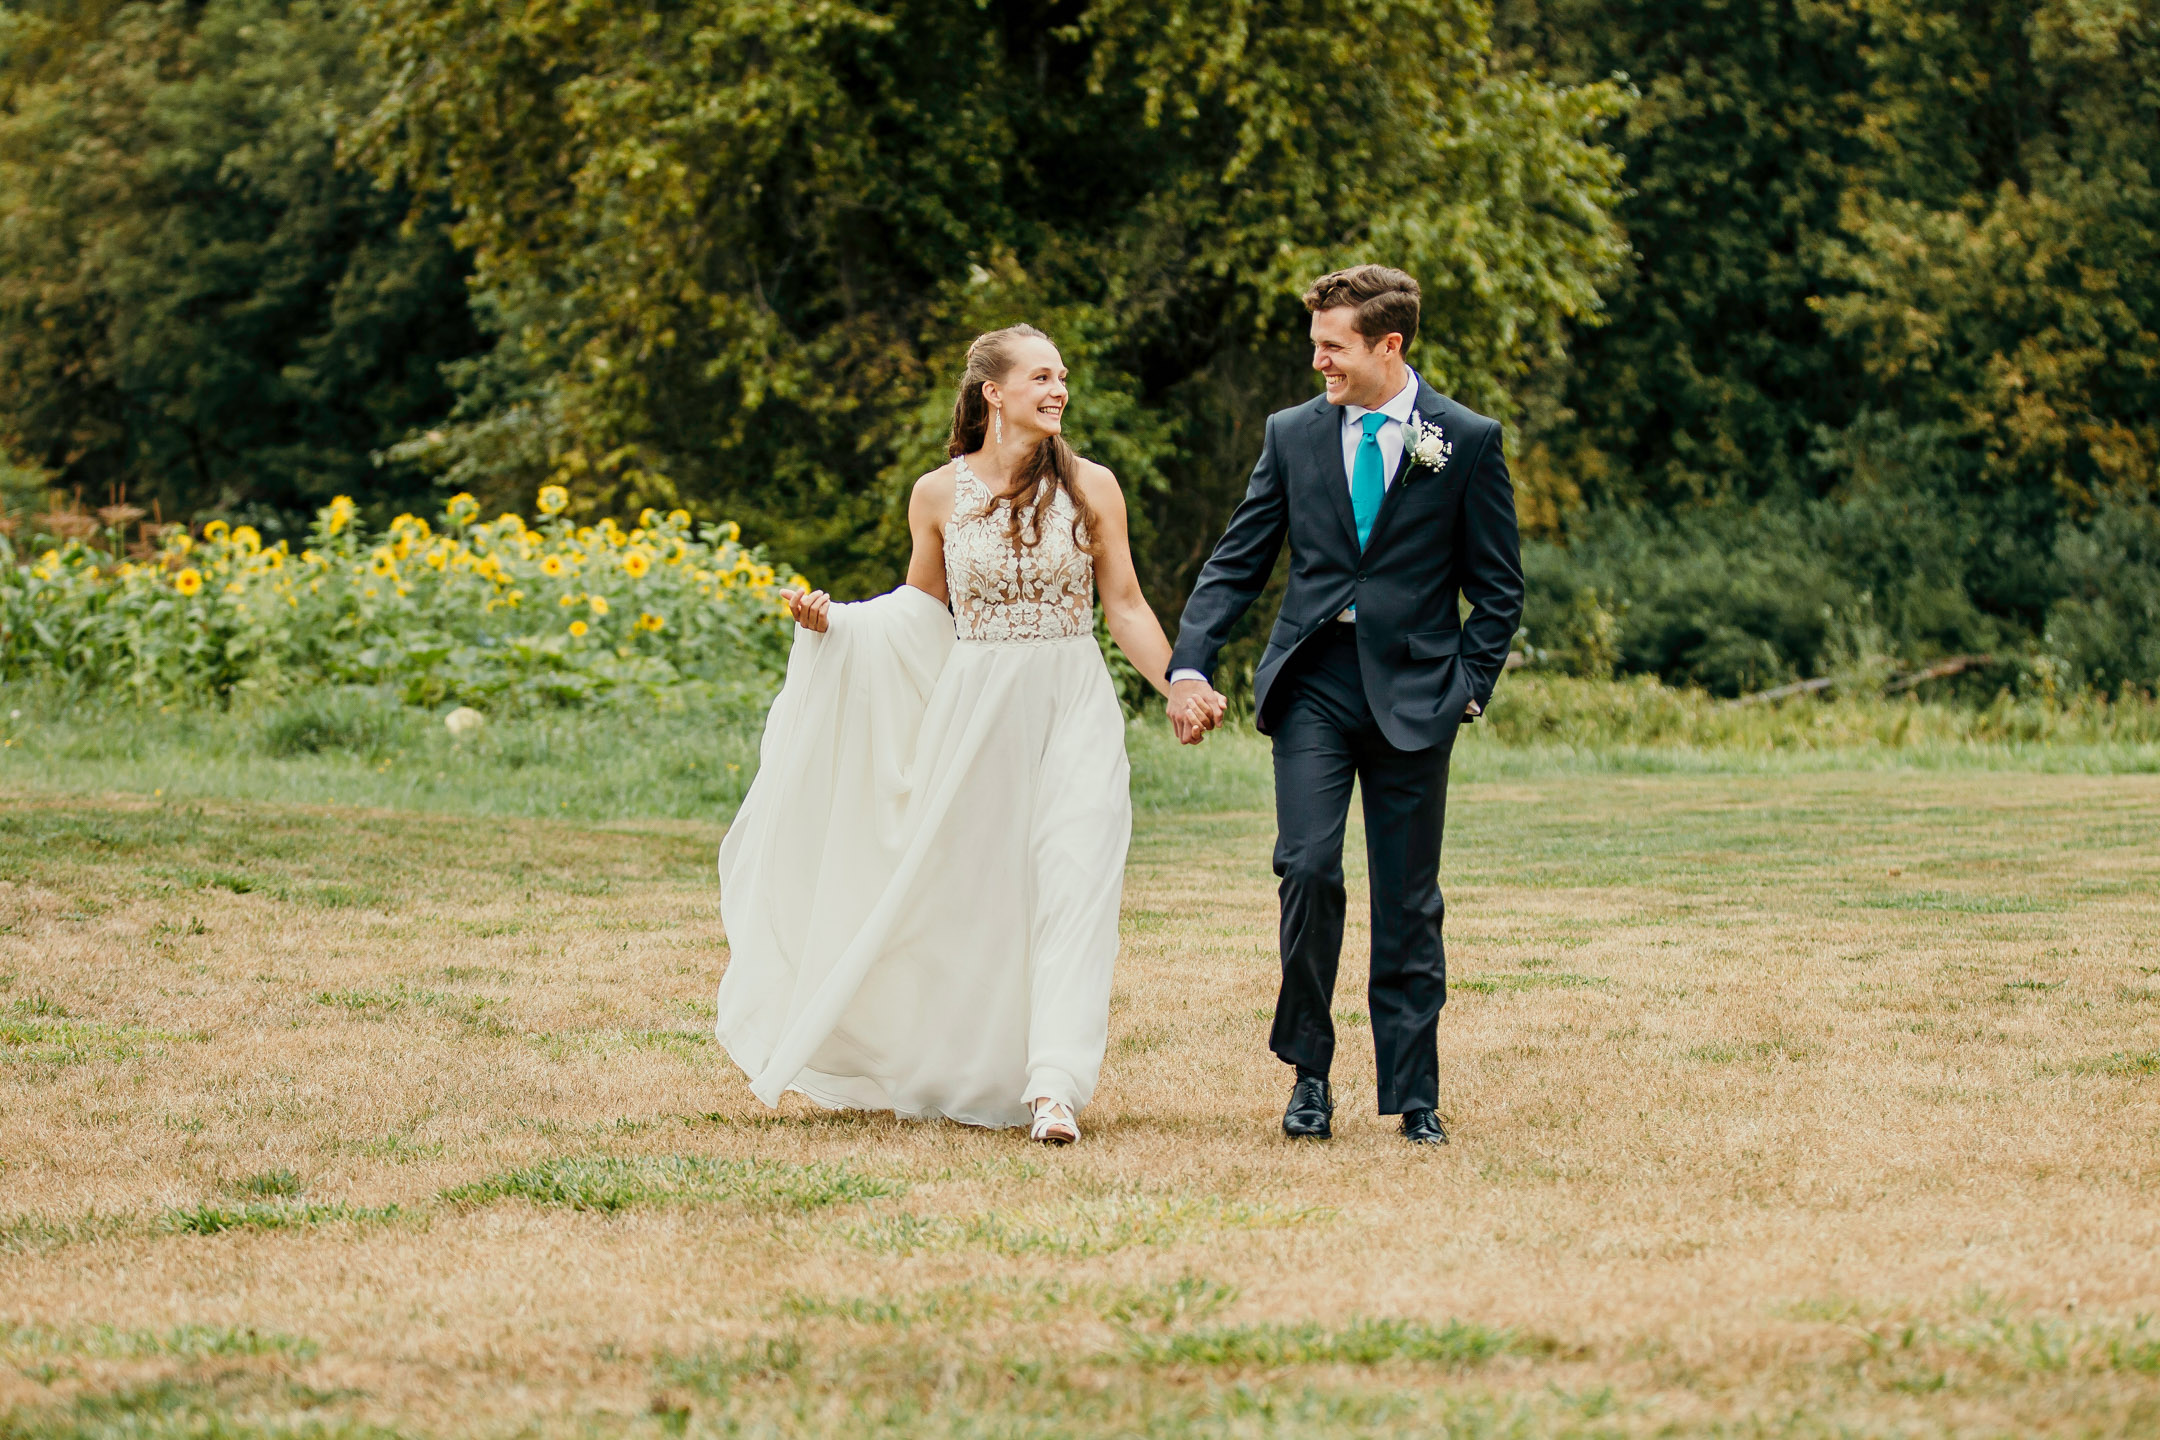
(1367, 488)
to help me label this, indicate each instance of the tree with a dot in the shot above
(197, 304)
(1714, 375)
(1997, 274)
(737, 245)
(1890, 283)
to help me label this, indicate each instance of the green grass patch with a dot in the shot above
(182, 1342)
(1172, 1302)
(717, 1370)
(1513, 984)
(607, 1184)
(694, 762)
(385, 1000)
(1361, 1342)
(279, 1182)
(1920, 1356)
(228, 1404)
(57, 1039)
(1077, 1231)
(1011, 1300)
(1961, 904)
(2122, 1063)
(1780, 1047)
(213, 1218)
(685, 1044)
(36, 1234)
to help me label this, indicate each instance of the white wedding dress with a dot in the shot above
(921, 888)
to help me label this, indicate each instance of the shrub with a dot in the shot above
(2107, 630)
(492, 613)
(1734, 598)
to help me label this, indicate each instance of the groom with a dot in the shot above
(1397, 505)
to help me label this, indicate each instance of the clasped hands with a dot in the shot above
(1196, 707)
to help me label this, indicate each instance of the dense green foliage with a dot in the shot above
(1826, 335)
(1889, 346)
(198, 306)
(740, 247)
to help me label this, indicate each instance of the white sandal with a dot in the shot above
(1054, 1122)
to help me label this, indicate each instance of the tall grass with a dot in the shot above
(653, 761)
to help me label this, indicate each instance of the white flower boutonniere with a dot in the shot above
(1430, 446)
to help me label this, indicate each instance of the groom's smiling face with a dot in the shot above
(1358, 371)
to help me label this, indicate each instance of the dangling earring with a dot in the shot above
(1000, 424)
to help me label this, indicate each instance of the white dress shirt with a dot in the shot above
(1398, 410)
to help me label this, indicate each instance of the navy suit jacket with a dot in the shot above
(1440, 533)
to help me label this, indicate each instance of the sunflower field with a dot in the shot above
(499, 614)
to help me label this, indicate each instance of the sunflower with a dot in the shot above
(384, 563)
(652, 622)
(577, 629)
(635, 564)
(552, 566)
(462, 510)
(188, 581)
(553, 499)
(216, 530)
(339, 514)
(247, 538)
(599, 604)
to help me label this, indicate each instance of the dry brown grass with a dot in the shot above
(1786, 1105)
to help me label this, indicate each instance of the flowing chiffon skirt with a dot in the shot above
(921, 889)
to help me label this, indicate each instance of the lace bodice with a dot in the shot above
(1040, 592)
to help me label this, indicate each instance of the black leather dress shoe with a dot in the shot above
(1312, 1109)
(1422, 1127)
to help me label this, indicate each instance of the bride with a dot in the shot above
(921, 888)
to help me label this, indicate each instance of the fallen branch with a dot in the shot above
(1956, 664)
(1798, 687)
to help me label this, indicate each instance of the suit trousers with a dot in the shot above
(1326, 738)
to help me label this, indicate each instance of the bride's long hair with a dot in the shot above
(1047, 469)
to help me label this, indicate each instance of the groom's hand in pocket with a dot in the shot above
(812, 610)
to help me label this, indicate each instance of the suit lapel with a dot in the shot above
(1429, 402)
(1326, 436)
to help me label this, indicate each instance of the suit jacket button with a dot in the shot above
(1361, 577)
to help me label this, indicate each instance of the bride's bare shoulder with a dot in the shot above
(1098, 484)
(933, 495)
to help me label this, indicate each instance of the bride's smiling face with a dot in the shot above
(1032, 393)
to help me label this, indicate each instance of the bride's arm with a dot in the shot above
(1132, 620)
(928, 509)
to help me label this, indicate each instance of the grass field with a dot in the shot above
(1792, 1102)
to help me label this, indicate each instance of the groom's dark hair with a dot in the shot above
(1386, 300)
